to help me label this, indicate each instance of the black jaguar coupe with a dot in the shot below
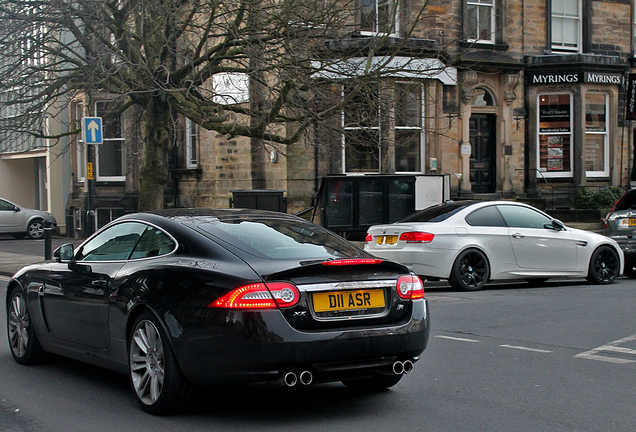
(187, 297)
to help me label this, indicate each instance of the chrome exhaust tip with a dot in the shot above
(398, 368)
(290, 379)
(408, 366)
(306, 378)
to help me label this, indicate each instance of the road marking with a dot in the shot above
(456, 339)
(5, 278)
(611, 347)
(588, 356)
(525, 348)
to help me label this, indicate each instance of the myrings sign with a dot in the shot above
(630, 106)
(551, 78)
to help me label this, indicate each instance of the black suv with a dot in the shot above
(620, 224)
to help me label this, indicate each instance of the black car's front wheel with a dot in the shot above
(158, 383)
(25, 347)
(604, 266)
(470, 271)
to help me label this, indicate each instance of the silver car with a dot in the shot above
(20, 221)
(620, 224)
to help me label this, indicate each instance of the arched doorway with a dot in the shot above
(483, 141)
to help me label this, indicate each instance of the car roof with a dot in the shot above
(204, 214)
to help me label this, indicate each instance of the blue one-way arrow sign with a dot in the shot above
(92, 130)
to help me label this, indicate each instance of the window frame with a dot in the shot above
(376, 127)
(559, 47)
(546, 172)
(493, 20)
(191, 147)
(606, 137)
(80, 148)
(121, 141)
(394, 5)
(420, 128)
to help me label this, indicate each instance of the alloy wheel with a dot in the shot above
(18, 326)
(147, 362)
(473, 270)
(36, 230)
(606, 265)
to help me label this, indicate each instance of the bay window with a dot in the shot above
(383, 123)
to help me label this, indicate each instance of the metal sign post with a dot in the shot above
(92, 133)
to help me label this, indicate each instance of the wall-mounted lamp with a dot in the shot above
(452, 116)
(519, 115)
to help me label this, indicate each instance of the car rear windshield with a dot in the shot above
(281, 239)
(628, 201)
(437, 213)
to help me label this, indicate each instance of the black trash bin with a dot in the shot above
(260, 199)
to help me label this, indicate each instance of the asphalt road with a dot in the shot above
(509, 358)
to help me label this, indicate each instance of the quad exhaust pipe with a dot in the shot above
(304, 378)
(405, 367)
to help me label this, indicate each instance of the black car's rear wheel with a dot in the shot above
(470, 271)
(25, 347)
(156, 379)
(604, 266)
(35, 229)
(375, 383)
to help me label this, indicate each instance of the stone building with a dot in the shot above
(510, 99)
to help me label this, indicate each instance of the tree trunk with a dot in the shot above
(154, 170)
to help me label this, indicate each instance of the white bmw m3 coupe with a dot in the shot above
(472, 242)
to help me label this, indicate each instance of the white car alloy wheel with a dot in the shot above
(470, 271)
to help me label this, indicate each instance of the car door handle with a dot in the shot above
(101, 283)
(518, 235)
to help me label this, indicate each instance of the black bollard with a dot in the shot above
(48, 254)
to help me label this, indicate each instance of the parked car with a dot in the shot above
(20, 221)
(620, 225)
(472, 242)
(180, 298)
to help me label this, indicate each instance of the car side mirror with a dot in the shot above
(16, 209)
(64, 253)
(83, 269)
(556, 225)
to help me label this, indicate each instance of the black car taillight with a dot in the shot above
(259, 296)
(410, 287)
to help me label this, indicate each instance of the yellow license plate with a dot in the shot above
(382, 240)
(627, 222)
(348, 300)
